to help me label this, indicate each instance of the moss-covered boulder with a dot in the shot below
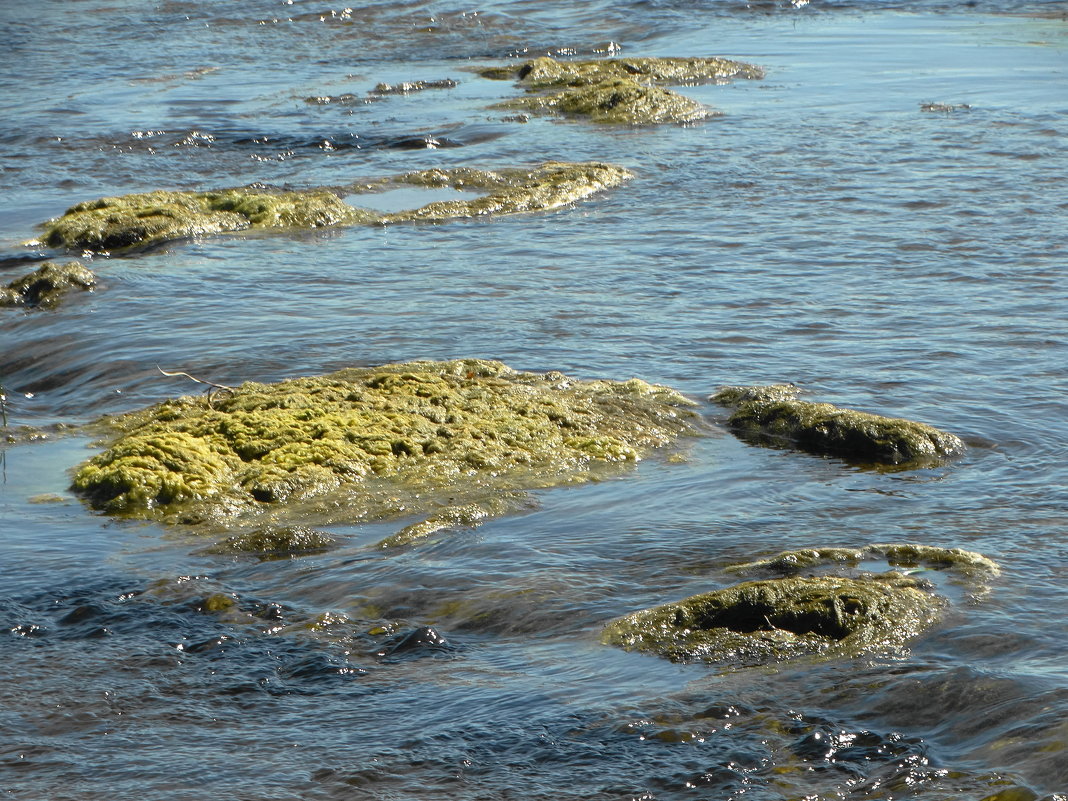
(773, 416)
(380, 442)
(148, 218)
(618, 91)
(274, 542)
(766, 621)
(47, 285)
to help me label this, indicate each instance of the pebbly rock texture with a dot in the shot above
(379, 442)
(772, 415)
(149, 218)
(766, 621)
(618, 91)
(47, 285)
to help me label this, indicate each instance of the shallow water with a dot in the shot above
(825, 230)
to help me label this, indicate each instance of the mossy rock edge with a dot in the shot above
(773, 416)
(759, 622)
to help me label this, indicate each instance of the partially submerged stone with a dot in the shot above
(507, 191)
(275, 542)
(112, 223)
(765, 621)
(468, 515)
(154, 217)
(619, 101)
(968, 564)
(373, 443)
(47, 285)
(618, 91)
(773, 416)
(407, 87)
(548, 73)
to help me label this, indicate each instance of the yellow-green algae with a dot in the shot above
(379, 441)
(968, 564)
(47, 285)
(114, 223)
(618, 91)
(772, 415)
(765, 621)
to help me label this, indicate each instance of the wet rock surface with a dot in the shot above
(768, 621)
(382, 439)
(619, 101)
(48, 285)
(772, 415)
(117, 223)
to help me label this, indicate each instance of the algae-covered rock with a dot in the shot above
(112, 223)
(773, 416)
(507, 191)
(379, 441)
(765, 621)
(619, 101)
(47, 285)
(618, 91)
(153, 217)
(275, 542)
(546, 73)
(968, 564)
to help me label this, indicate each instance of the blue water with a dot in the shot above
(824, 230)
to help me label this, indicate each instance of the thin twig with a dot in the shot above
(211, 385)
(198, 380)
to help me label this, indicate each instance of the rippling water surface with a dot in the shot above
(824, 230)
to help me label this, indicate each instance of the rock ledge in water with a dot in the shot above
(382, 441)
(47, 285)
(148, 218)
(771, 415)
(766, 621)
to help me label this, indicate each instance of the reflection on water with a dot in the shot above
(826, 230)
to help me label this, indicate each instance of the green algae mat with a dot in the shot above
(454, 440)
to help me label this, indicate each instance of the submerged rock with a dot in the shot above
(380, 441)
(275, 542)
(47, 285)
(153, 217)
(765, 621)
(469, 515)
(407, 87)
(773, 416)
(618, 91)
(968, 564)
